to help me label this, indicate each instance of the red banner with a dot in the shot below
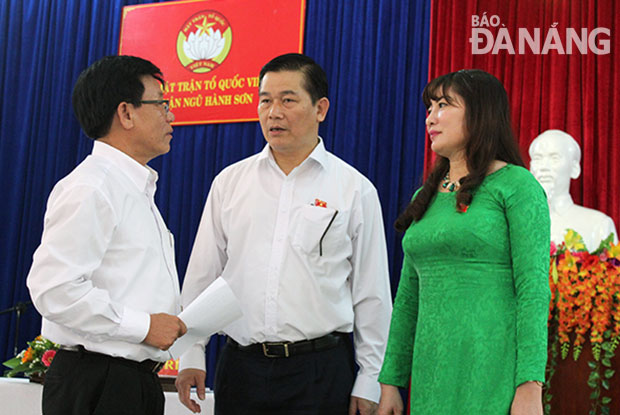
(211, 51)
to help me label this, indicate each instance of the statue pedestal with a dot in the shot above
(569, 384)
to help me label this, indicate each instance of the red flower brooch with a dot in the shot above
(463, 207)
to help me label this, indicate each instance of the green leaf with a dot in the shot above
(592, 365)
(592, 384)
(19, 368)
(576, 353)
(605, 244)
(605, 383)
(606, 361)
(12, 363)
(554, 272)
(595, 394)
(609, 373)
(14, 372)
(594, 376)
(606, 400)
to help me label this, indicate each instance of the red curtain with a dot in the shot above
(578, 92)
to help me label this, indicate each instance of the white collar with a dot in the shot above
(318, 154)
(144, 177)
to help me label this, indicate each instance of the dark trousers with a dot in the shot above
(86, 384)
(315, 383)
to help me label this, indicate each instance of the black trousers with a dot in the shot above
(86, 384)
(316, 383)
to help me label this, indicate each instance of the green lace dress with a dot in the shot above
(470, 316)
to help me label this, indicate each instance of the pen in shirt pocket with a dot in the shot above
(325, 232)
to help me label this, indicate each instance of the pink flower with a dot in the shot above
(47, 357)
(554, 248)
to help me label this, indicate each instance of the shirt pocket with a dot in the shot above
(319, 230)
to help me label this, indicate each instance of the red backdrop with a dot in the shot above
(577, 93)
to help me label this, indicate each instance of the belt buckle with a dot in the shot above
(266, 349)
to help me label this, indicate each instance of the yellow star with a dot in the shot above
(205, 26)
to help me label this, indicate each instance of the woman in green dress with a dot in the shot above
(469, 326)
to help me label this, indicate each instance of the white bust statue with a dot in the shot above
(555, 161)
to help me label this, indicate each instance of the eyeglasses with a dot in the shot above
(166, 103)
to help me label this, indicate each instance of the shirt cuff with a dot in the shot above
(134, 325)
(366, 387)
(194, 358)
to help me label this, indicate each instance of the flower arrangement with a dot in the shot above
(37, 358)
(33, 360)
(585, 306)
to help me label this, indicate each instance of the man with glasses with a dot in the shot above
(104, 277)
(298, 235)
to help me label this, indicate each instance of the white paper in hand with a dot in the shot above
(215, 308)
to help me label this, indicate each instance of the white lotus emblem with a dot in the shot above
(204, 43)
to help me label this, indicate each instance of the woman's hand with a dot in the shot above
(527, 400)
(391, 403)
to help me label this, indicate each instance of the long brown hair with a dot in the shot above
(489, 130)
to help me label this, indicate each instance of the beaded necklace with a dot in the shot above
(450, 186)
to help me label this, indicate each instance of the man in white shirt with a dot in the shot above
(298, 235)
(104, 277)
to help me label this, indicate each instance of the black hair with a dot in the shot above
(102, 86)
(489, 136)
(315, 79)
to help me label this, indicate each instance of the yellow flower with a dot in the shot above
(574, 241)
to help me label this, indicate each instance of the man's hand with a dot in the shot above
(362, 406)
(164, 330)
(391, 403)
(185, 380)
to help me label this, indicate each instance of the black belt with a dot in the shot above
(147, 365)
(288, 349)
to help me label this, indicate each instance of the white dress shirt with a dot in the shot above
(261, 231)
(106, 259)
